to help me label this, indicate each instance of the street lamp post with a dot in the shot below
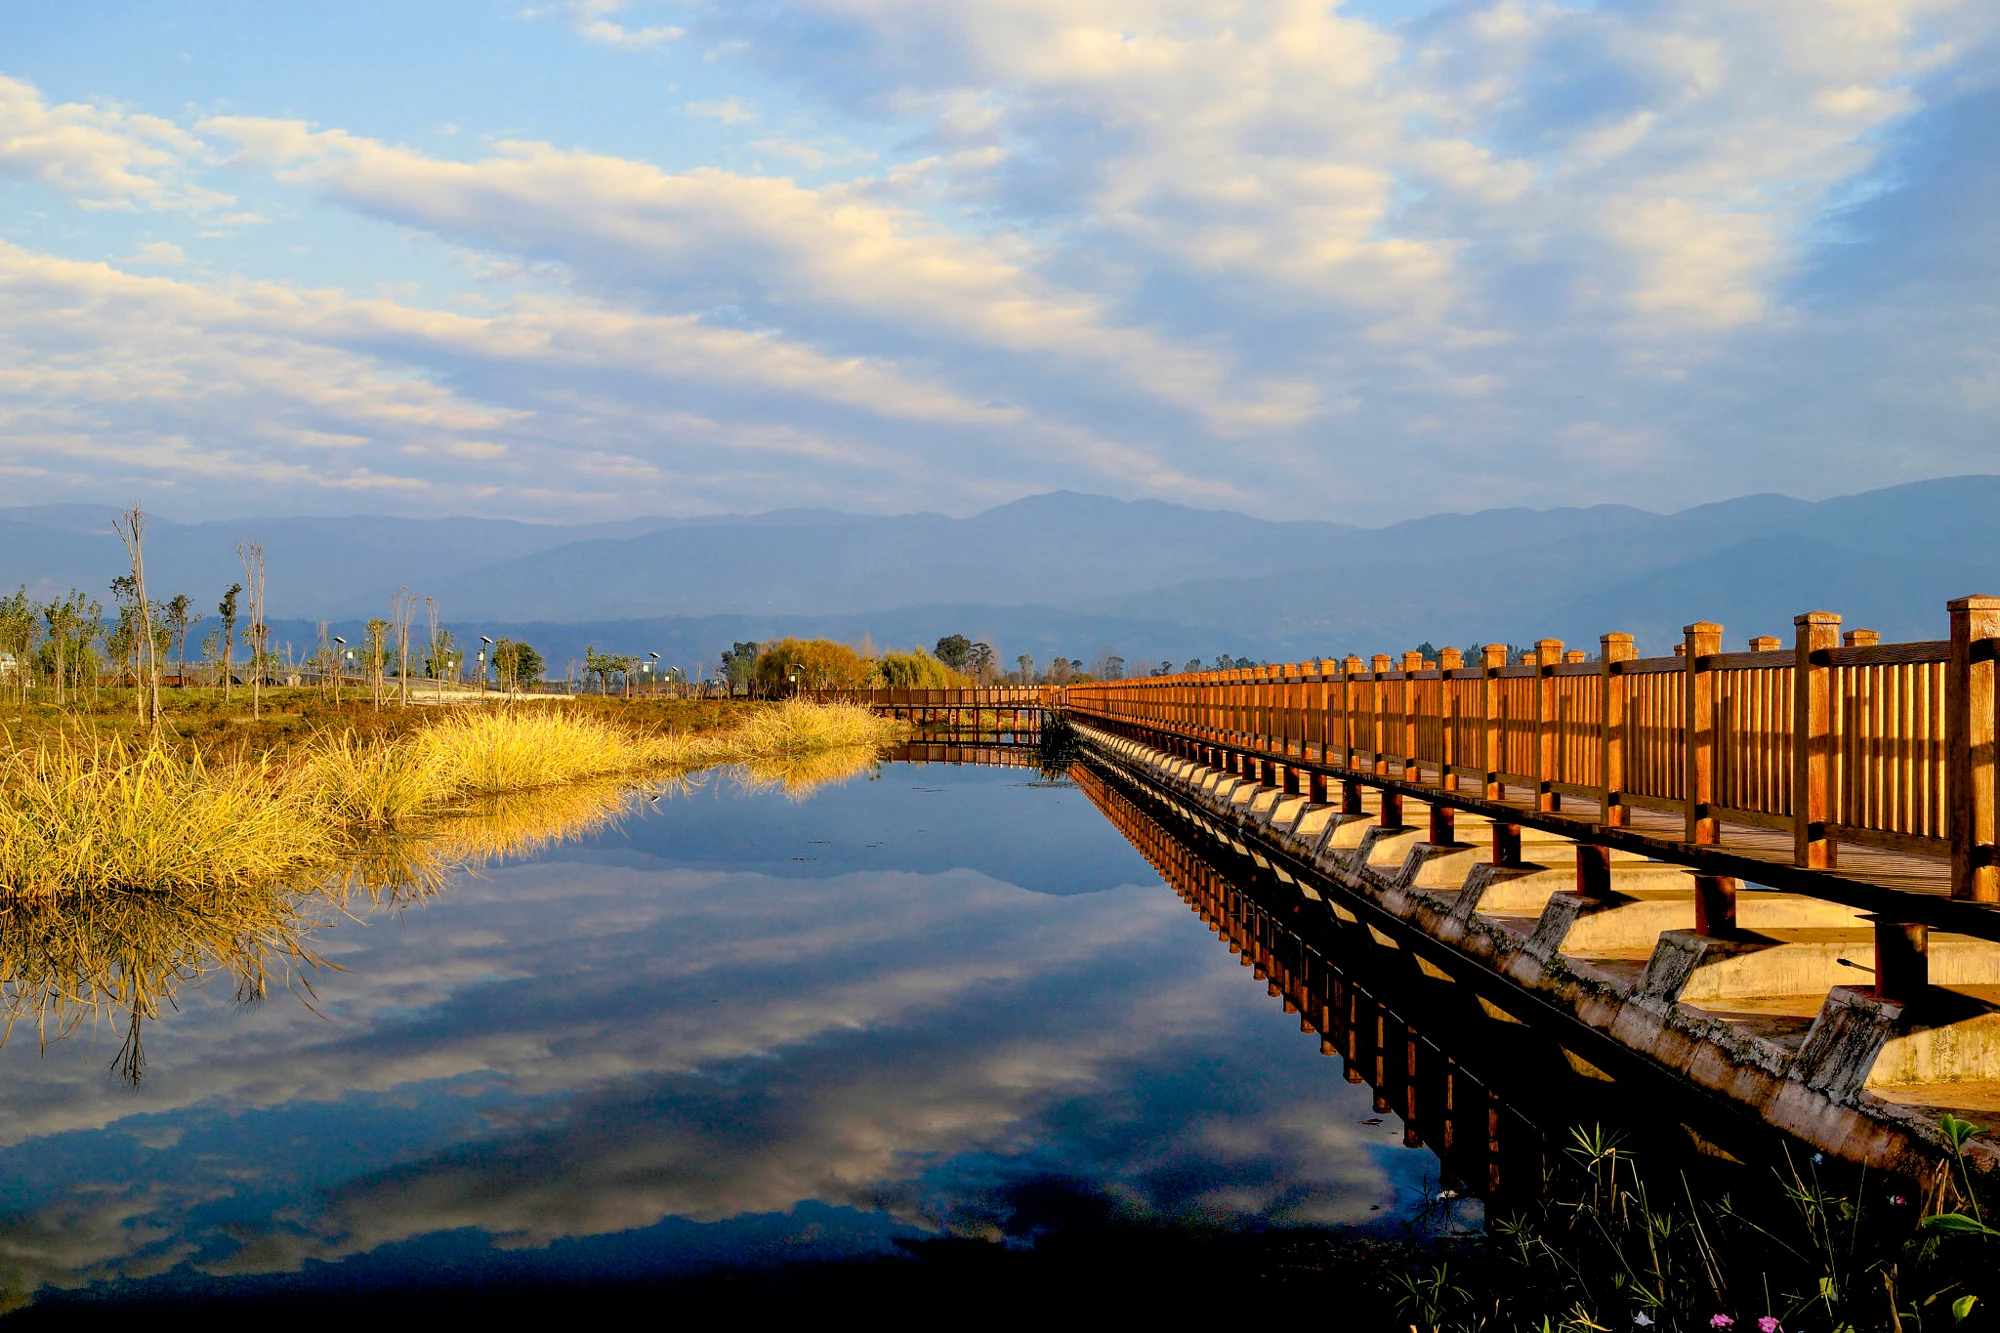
(338, 645)
(798, 678)
(482, 661)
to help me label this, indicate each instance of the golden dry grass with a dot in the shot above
(125, 874)
(79, 815)
(518, 749)
(790, 729)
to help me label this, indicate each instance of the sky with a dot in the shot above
(596, 259)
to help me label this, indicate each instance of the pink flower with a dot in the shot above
(1721, 1321)
(1767, 1324)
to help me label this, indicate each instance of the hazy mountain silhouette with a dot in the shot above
(1074, 573)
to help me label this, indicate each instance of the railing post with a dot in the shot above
(1378, 738)
(1506, 836)
(1492, 657)
(1704, 639)
(1413, 662)
(1349, 688)
(1969, 748)
(1613, 649)
(1812, 739)
(1449, 660)
(1548, 727)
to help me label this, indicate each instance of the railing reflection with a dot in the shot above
(1485, 1091)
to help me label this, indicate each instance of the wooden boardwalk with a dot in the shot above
(1842, 767)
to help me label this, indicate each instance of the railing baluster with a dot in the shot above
(1969, 743)
(1704, 639)
(1613, 649)
(1548, 726)
(1493, 755)
(1812, 739)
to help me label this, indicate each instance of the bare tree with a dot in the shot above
(378, 651)
(404, 607)
(437, 675)
(252, 556)
(181, 617)
(131, 529)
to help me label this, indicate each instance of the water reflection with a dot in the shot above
(1489, 1091)
(723, 1025)
(119, 958)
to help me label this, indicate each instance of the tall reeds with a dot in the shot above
(82, 815)
(490, 752)
(79, 816)
(124, 873)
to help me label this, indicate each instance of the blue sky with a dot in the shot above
(592, 259)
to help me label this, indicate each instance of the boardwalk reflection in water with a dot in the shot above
(1490, 1094)
(734, 1028)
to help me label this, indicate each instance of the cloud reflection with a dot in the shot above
(568, 1048)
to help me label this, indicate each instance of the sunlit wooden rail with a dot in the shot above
(1852, 769)
(1011, 709)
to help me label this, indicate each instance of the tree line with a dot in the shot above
(775, 668)
(66, 647)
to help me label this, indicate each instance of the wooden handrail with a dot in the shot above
(1886, 745)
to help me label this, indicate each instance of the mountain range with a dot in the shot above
(1080, 574)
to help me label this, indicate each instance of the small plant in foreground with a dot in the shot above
(1604, 1246)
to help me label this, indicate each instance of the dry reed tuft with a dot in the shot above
(79, 816)
(790, 729)
(124, 875)
(489, 753)
(356, 782)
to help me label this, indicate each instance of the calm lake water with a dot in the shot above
(736, 1029)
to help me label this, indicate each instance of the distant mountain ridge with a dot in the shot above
(1073, 573)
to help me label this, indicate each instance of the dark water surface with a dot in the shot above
(736, 1030)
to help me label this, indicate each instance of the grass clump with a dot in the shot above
(81, 816)
(86, 814)
(789, 730)
(487, 753)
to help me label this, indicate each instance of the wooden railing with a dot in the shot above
(1838, 740)
(1002, 697)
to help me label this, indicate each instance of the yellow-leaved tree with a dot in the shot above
(818, 664)
(914, 670)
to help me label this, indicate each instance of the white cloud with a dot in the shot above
(594, 21)
(259, 383)
(813, 156)
(102, 157)
(158, 254)
(725, 111)
(1243, 251)
(706, 235)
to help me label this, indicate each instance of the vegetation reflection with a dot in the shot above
(132, 875)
